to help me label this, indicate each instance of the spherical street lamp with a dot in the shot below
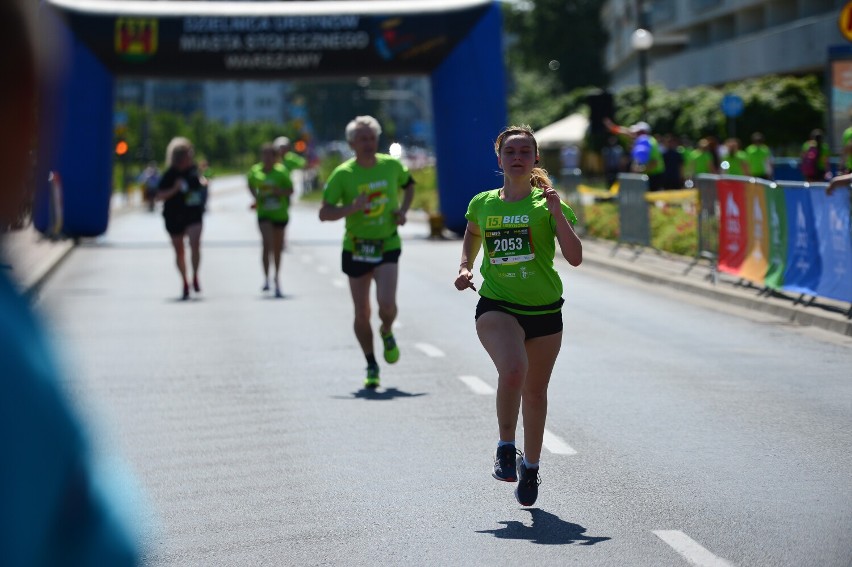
(642, 40)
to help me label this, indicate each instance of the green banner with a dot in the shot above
(777, 211)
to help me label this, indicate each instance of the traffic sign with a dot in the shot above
(732, 105)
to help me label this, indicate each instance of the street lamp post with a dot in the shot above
(642, 40)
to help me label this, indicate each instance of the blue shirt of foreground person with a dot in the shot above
(52, 509)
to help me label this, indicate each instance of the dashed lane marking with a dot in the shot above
(429, 350)
(690, 549)
(556, 445)
(478, 385)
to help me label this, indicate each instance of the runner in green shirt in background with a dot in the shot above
(365, 191)
(270, 185)
(291, 160)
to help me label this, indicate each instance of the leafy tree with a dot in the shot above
(566, 32)
(785, 109)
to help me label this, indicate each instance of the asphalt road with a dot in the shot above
(679, 432)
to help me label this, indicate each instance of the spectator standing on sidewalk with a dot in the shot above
(614, 160)
(646, 156)
(846, 149)
(57, 506)
(735, 161)
(759, 157)
(183, 190)
(701, 159)
(814, 159)
(673, 161)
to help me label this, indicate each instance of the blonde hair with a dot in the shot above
(538, 176)
(178, 148)
(361, 122)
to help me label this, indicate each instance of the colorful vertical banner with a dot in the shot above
(776, 208)
(756, 258)
(831, 220)
(803, 262)
(733, 235)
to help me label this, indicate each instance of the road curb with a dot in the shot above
(729, 293)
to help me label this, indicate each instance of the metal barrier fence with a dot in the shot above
(788, 236)
(633, 213)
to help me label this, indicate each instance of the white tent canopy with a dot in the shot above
(568, 131)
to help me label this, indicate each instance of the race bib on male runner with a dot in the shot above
(271, 203)
(509, 245)
(365, 250)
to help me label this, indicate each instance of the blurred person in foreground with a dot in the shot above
(365, 190)
(270, 185)
(56, 506)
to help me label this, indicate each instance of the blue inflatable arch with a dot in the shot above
(456, 42)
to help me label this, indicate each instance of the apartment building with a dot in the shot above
(712, 42)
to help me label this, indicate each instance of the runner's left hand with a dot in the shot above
(554, 202)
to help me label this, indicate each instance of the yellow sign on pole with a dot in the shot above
(844, 22)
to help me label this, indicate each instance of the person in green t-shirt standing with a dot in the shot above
(519, 314)
(270, 185)
(365, 190)
(736, 160)
(759, 157)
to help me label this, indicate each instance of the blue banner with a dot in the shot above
(831, 221)
(803, 268)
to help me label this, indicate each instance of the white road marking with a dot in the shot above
(306, 258)
(429, 350)
(322, 269)
(690, 549)
(478, 385)
(337, 282)
(556, 445)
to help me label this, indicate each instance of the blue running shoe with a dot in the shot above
(504, 463)
(528, 480)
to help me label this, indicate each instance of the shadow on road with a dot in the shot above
(381, 395)
(546, 529)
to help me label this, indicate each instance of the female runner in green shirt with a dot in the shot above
(519, 317)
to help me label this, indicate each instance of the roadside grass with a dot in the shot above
(673, 228)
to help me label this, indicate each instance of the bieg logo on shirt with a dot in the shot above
(507, 221)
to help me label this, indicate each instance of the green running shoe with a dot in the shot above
(391, 350)
(372, 380)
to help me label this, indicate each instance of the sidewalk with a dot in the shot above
(32, 258)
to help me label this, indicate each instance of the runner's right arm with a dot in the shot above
(470, 248)
(329, 212)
